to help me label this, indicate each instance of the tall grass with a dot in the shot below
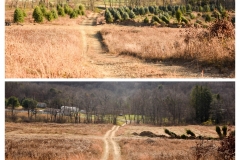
(45, 52)
(52, 148)
(169, 43)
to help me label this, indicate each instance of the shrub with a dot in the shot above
(74, 14)
(156, 19)
(109, 17)
(216, 14)
(222, 27)
(189, 8)
(212, 7)
(38, 15)
(233, 20)
(183, 9)
(125, 16)
(18, 15)
(126, 9)
(207, 8)
(218, 130)
(67, 9)
(192, 16)
(44, 10)
(82, 12)
(179, 15)
(171, 134)
(227, 147)
(208, 18)
(61, 11)
(54, 13)
(188, 131)
(151, 9)
(132, 14)
(24, 13)
(146, 10)
(184, 20)
(146, 20)
(220, 8)
(169, 8)
(224, 129)
(165, 19)
(142, 11)
(224, 14)
(183, 136)
(81, 7)
(117, 15)
(49, 16)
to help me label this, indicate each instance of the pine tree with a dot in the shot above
(201, 99)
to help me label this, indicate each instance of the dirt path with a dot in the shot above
(110, 146)
(110, 65)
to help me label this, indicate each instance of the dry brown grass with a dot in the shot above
(54, 141)
(44, 52)
(49, 50)
(53, 128)
(164, 149)
(208, 131)
(140, 148)
(26, 148)
(152, 43)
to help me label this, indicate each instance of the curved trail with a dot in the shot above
(110, 146)
(109, 65)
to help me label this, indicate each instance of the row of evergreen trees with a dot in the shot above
(40, 12)
(163, 13)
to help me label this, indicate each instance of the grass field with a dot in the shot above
(158, 44)
(85, 141)
(44, 52)
(141, 148)
(48, 50)
(54, 141)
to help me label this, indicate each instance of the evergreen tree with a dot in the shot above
(38, 15)
(201, 99)
(18, 15)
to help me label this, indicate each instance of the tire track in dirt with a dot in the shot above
(110, 146)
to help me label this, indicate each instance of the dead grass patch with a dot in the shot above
(45, 52)
(207, 131)
(164, 149)
(25, 141)
(52, 148)
(53, 128)
(156, 44)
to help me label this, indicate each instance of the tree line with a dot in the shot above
(157, 103)
(91, 4)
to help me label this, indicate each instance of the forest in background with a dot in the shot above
(157, 103)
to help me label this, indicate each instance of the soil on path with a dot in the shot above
(111, 148)
(122, 66)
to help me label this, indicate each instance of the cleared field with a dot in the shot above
(99, 141)
(164, 149)
(208, 131)
(141, 148)
(54, 141)
(53, 128)
(25, 148)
